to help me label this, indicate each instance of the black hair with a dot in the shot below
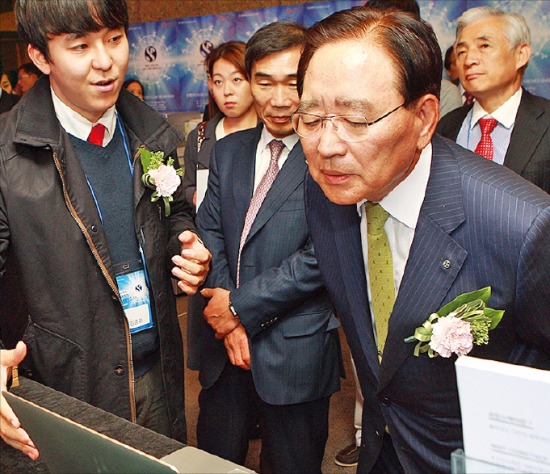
(273, 38)
(39, 20)
(30, 68)
(409, 41)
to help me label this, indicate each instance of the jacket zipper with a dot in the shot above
(110, 281)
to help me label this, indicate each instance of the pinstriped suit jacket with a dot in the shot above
(480, 225)
(529, 151)
(281, 299)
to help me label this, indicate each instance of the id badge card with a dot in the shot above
(134, 294)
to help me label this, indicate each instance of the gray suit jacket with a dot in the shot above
(529, 151)
(281, 300)
(480, 225)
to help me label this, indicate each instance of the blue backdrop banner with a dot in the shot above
(168, 56)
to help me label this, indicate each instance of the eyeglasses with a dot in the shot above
(350, 128)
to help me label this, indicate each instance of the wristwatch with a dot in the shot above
(233, 310)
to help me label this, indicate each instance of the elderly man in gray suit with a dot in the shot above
(506, 123)
(270, 333)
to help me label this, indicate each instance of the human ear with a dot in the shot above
(38, 58)
(427, 112)
(523, 55)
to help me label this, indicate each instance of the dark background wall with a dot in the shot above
(142, 11)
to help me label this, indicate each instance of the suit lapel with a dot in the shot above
(527, 134)
(242, 178)
(434, 262)
(290, 176)
(345, 222)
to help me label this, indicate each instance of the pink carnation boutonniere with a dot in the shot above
(162, 177)
(456, 327)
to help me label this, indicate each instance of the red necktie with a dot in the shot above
(96, 135)
(276, 147)
(468, 98)
(485, 145)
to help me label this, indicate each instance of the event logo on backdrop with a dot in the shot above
(168, 56)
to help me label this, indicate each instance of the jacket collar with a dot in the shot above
(37, 124)
(435, 259)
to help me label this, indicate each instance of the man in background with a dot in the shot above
(506, 123)
(269, 338)
(27, 75)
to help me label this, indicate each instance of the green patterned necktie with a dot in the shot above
(380, 271)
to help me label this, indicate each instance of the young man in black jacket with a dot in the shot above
(86, 249)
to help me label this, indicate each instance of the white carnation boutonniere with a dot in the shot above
(457, 326)
(162, 177)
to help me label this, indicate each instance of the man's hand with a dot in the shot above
(10, 427)
(238, 350)
(217, 312)
(192, 265)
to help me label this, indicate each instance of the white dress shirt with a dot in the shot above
(403, 204)
(470, 132)
(80, 127)
(263, 153)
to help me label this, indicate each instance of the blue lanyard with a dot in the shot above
(130, 165)
(126, 146)
(469, 128)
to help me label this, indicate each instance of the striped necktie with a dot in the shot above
(276, 147)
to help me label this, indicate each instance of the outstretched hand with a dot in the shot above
(10, 427)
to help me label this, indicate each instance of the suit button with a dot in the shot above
(385, 402)
(119, 370)
(94, 228)
(378, 433)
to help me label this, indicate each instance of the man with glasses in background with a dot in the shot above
(403, 221)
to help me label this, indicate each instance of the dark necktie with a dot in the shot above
(485, 146)
(96, 134)
(276, 147)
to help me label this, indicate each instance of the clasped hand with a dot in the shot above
(217, 313)
(227, 326)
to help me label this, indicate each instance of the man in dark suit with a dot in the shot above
(492, 53)
(7, 101)
(369, 85)
(270, 333)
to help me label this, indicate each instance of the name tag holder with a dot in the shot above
(134, 294)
